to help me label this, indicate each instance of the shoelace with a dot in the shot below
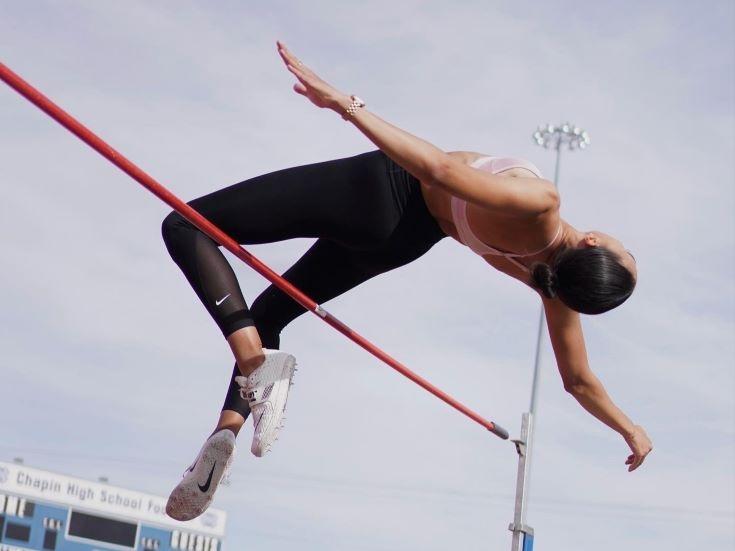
(241, 380)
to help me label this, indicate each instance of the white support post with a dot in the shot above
(522, 533)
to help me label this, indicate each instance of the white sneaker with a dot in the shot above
(266, 390)
(195, 492)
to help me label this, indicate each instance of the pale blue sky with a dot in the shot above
(111, 366)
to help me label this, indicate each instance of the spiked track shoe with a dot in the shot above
(193, 495)
(266, 390)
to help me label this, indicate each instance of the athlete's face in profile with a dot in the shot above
(596, 238)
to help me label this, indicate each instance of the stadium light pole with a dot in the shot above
(556, 138)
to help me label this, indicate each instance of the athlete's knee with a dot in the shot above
(172, 226)
(170, 223)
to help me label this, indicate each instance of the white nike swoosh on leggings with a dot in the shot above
(224, 298)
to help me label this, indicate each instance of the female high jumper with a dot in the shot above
(372, 213)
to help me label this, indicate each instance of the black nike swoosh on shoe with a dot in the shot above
(209, 480)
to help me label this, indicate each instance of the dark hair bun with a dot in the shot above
(589, 280)
(544, 278)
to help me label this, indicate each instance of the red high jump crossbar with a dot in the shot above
(96, 143)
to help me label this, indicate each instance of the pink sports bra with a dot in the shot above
(493, 165)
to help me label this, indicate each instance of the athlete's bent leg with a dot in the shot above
(348, 200)
(330, 268)
(324, 272)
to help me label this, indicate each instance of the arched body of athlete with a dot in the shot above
(372, 213)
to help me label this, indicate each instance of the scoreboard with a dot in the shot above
(45, 511)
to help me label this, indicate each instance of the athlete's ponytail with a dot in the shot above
(590, 280)
(544, 279)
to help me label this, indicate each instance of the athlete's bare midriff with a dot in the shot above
(506, 232)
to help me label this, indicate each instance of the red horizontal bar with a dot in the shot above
(96, 143)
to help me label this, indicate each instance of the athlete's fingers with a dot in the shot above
(282, 48)
(299, 88)
(285, 55)
(288, 57)
(636, 463)
(304, 79)
(302, 70)
(309, 80)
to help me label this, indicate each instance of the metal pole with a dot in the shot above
(522, 533)
(95, 142)
(542, 317)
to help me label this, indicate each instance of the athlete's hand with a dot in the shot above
(309, 84)
(640, 445)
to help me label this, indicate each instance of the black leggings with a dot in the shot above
(367, 212)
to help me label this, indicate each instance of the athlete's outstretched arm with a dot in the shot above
(428, 163)
(567, 340)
